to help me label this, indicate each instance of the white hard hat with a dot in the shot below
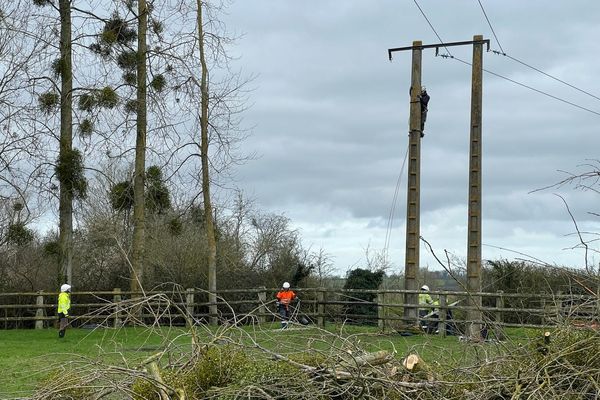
(286, 285)
(425, 288)
(65, 288)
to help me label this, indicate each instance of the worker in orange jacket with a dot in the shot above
(284, 298)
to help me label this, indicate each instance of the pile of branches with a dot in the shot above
(243, 360)
(562, 364)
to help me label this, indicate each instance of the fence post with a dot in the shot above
(442, 314)
(548, 312)
(558, 304)
(189, 306)
(117, 302)
(262, 310)
(499, 305)
(381, 310)
(545, 307)
(321, 307)
(39, 312)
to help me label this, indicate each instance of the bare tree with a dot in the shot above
(68, 167)
(116, 46)
(586, 181)
(208, 213)
(19, 145)
(216, 97)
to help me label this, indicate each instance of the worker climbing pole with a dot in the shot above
(424, 100)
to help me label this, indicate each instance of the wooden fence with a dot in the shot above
(384, 308)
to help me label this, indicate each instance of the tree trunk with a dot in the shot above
(66, 143)
(140, 155)
(208, 215)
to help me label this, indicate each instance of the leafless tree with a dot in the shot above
(19, 145)
(216, 96)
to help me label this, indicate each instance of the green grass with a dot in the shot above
(27, 356)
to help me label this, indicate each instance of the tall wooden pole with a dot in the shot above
(474, 233)
(411, 266)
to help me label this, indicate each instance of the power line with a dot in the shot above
(548, 75)
(490, 24)
(503, 53)
(431, 26)
(532, 88)
(388, 232)
(509, 79)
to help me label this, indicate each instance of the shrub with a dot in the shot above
(363, 279)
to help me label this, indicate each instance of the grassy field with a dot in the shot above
(28, 356)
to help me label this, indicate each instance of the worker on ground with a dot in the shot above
(425, 299)
(64, 305)
(424, 100)
(284, 298)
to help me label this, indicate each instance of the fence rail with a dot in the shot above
(320, 305)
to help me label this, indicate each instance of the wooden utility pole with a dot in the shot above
(411, 266)
(474, 233)
(413, 200)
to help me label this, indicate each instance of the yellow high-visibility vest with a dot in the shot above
(64, 303)
(425, 298)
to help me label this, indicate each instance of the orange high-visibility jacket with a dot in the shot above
(285, 297)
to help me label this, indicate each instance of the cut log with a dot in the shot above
(344, 369)
(376, 358)
(546, 337)
(412, 363)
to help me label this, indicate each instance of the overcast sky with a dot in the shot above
(329, 122)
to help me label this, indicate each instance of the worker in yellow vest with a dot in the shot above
(425, 299)
(64, 305)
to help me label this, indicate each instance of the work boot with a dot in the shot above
(61, 333)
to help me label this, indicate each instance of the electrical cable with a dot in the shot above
(490, 24)
(431, 26)
(503, 53)
(532, 88)
(388, 232)
(506, 78)
(549, 76)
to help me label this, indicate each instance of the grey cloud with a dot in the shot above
(331, 112)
